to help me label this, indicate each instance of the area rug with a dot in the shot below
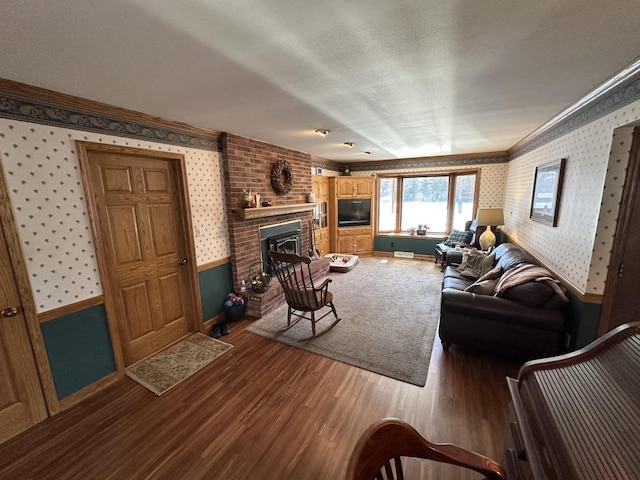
(168, 368)
(389, 309)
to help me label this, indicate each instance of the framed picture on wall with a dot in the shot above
(547, 187)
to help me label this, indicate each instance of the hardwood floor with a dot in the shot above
(264, 410)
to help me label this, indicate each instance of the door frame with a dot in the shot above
(109, 283)
(629, 192)
(27, 301)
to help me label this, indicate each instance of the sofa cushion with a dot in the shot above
(455, 283)
(458, 236)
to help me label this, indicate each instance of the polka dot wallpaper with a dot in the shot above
(47, 196)
(570, 248)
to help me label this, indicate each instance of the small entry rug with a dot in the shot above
(389, 308)
(168, 368)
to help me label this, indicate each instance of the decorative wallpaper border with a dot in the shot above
(19, 107)
(433, 162)
(626, 91)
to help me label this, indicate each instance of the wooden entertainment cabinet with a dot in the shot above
(354, 240)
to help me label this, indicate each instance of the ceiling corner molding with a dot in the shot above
(620, 90)
(27, 103)
(464, 160)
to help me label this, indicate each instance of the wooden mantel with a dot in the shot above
(261, 212)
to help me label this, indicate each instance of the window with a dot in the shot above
(441, 201)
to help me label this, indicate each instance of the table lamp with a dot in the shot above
(488, 217)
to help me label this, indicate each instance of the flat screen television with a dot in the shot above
(353, 212)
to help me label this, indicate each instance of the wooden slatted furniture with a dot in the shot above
(378, 453)
(302, 296)
(577, 416)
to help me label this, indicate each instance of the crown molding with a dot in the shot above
(27, 103)
(620, 90)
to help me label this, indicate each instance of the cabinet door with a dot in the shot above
(320, 186)
(363, 244)
(364, 188)
(322, 241)
(346, 245)
(345, 187)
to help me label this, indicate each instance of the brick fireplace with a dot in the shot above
(247, 164)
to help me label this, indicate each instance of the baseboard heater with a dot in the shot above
(403, 254)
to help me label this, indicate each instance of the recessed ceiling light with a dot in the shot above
(350, 144)
(323, 132)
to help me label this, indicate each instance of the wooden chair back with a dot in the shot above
(378, 453)
(294, 274)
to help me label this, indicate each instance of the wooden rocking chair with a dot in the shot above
(390, 439)
(302, 296)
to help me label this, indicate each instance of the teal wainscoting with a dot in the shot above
(79, 349)
(581, 320)
(215, 284)
(415, 244)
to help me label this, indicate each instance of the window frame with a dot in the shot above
(452, 174)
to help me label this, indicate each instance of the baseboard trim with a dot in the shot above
(88, 391)
(212, 321)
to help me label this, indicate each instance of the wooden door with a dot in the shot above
(621, 300)
(22, 402)
(142, 229)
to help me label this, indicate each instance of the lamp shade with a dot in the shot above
(490, 216)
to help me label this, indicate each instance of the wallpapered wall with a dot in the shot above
(47, 196)
(592, 156)
(492, 180)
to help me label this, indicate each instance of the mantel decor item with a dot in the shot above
(488, 217)
(281, 177)
(247, 198)
(547, 187)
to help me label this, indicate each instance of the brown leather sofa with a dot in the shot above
(525, 323)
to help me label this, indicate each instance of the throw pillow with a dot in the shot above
(476, 264)
(483, 287)
(494, 273)
(458, 236)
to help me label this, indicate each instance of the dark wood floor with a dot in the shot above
(264, 411)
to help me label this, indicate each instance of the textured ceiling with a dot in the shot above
(400, 78)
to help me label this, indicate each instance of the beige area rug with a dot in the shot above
(168, 368)
(390, 309)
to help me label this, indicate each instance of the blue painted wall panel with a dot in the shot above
(215, 284)
(79, 349)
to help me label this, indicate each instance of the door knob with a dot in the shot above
(9, 312)
(182, 261)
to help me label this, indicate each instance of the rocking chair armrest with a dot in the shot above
(324, 284)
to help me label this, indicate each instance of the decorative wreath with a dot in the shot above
(281, 177)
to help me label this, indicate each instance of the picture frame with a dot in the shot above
(547, 189)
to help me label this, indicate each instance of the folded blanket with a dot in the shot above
(528, 273)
